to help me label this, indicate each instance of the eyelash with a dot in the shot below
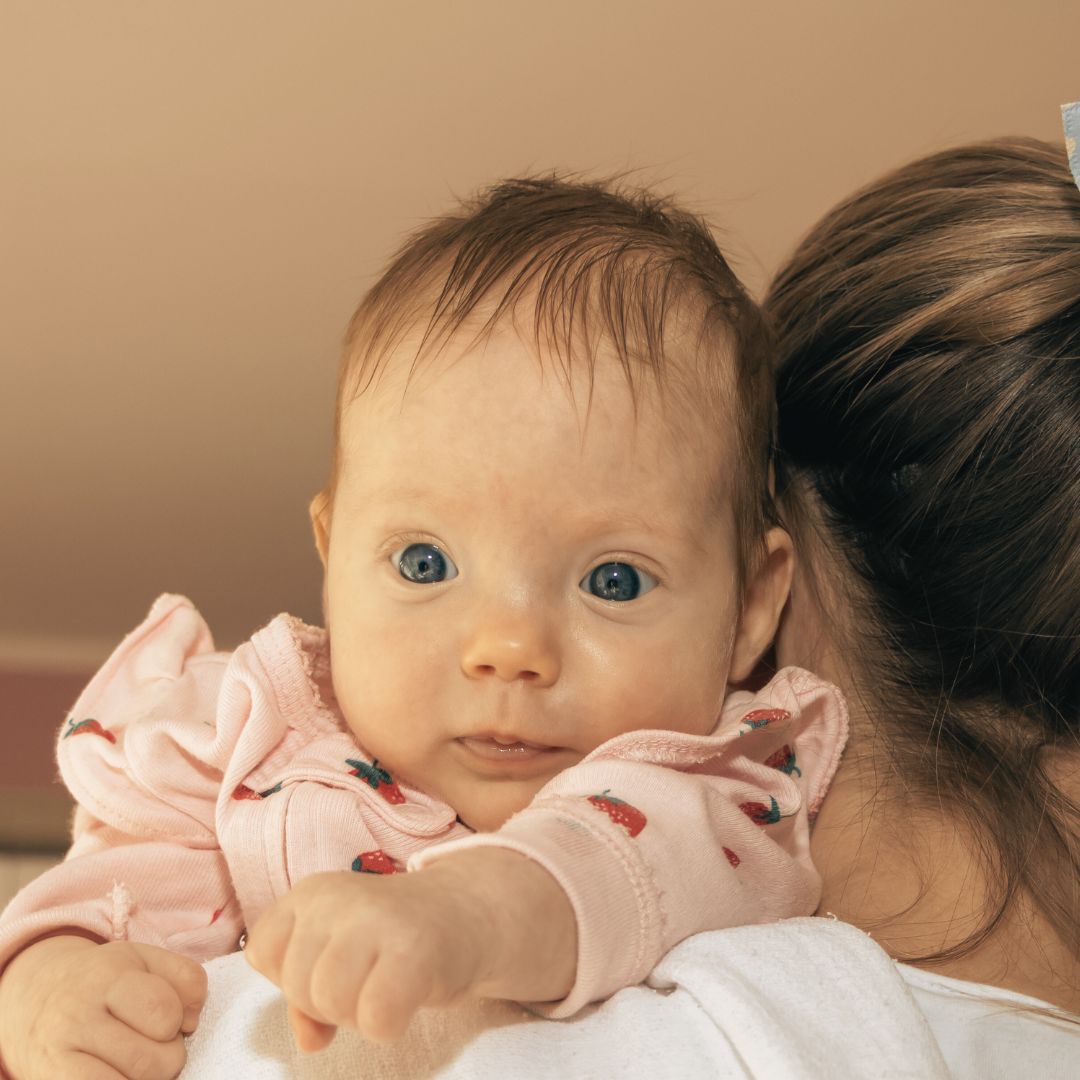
(404, 539)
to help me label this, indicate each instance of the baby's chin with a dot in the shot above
(490, 809)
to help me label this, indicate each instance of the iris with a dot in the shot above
(424, 564)
(613, 581)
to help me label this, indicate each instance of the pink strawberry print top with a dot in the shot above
(208, 783)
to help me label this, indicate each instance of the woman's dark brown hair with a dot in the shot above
(929, 413)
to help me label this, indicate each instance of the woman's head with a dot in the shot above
(929, 440)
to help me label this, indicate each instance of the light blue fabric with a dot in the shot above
(1070, 119)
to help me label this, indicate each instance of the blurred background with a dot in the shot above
(194, 196)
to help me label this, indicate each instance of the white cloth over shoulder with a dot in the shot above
(802, 998)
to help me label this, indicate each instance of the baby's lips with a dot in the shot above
(504, 749)
(524, 742)
(501, 739)
(508, 739)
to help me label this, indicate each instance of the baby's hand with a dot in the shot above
(366, 951)
(70, 1008)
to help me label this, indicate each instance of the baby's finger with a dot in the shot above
(146, 1003)
(131, 1055)
(268, 941)
(311, 1035)
(186, 976)
(390, 996)
(336, 979)
(305, 947)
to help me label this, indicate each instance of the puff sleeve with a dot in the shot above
(143, 753)
(658, 835)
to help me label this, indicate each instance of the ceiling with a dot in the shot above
(193, 197)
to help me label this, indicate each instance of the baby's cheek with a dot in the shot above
(676, 688)
(385, 703)
(384, 658)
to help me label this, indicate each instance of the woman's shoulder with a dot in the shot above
(818, 970)
(986, 1031)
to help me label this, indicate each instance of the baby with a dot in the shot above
(548, 558)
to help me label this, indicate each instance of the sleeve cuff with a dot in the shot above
(611, 889)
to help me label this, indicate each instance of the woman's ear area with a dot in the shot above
(319, 512)
(764, 596)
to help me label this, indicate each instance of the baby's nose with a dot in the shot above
(512, 651)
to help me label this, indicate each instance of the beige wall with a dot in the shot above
(193, 195)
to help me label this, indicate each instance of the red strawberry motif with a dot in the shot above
(242, 791)
(88, 727)
(378, 778)
(784, 760)
(732, 857)
(759, 718)
(216, 915)
(622, 813)
(375, 862)
(760, 814)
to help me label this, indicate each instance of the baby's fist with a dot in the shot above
(366, 952)
(72, 1008)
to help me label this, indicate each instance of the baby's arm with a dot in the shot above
(144, 892)
(656, 836)
(713, 832)
(365, 951)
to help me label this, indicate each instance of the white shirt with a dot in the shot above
(981, 1031)
(803, 998)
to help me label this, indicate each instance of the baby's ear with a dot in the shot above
(319, 511)
(764, 595)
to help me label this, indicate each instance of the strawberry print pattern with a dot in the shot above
(732, 857)
(87, 727)
(242, 791)
(376, 777)
(760, 814)
(621, 812)
(784, 760)
(375, 862)
(759, 718)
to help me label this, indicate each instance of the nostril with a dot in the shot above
(484, 670)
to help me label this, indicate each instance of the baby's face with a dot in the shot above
(511, 583)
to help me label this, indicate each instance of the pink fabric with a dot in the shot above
(209, 783)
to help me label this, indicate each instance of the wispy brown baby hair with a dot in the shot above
(598, 264)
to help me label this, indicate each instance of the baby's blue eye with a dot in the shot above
(617, 581)
(424, 564)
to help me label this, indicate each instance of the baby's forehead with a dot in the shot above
(685, 373)
(482, 389)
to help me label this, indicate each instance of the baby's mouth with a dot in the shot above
(502, 748)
